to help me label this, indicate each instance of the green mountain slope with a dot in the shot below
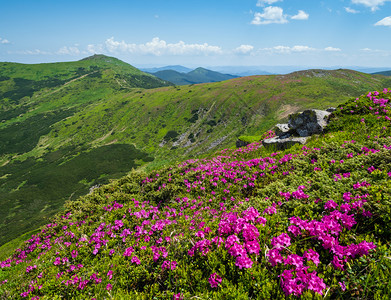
(312, 221)
(33, 98)
(199, 75)
(60, 142)
(177, 68)
(384, 73)
(212, 76)
(173, 76)
(31, 89)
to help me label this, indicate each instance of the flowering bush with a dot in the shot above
(311, 222)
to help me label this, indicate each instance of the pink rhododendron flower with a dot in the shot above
(169, 265)
(110, 274)
(243, 261)
(346, 207)
(274, 257)
(294, 230)
(250, 232)
(316, 284)
(128, 251)
(253, 247)
(135, 260)
(338, 263)
(312, 255)
(178, 296)
(294, 260)
(366, 213)
(236, 250)
(330, 205)
(214, 280)
(250, 214)
(231, 240)
(283, 240)
(261, 220)
(270, 210)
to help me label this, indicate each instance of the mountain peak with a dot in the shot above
(201, 69)
(97, 57)
(103, 58)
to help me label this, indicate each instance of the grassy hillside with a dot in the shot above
(35, 178)
(199, 75)
(384, 73)
(311, 221)
(58, 143)
(173, 76)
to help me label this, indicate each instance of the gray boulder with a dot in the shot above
(309, 122)
(283, 143)
(282, 129)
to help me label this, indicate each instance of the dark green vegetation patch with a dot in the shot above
(22, 137)
(39, 188)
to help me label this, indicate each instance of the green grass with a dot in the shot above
(7, 248)
(173, 211)
(65, 110)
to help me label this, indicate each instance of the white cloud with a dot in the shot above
(4, 41)
(280, 49)
(69, 51)
(301, 15)
(302, 49)
(271, 14)
(244, 49)
(264, 2)
(32, 52)
(384, 22)
(95, 49)
(155, 47)
(332, 49)
(369, 50)
(288, 50)
(373, 4)
(351, 10)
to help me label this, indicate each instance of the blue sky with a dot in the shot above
(199, 32)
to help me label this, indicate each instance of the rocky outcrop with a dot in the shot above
(300, 126)
(282, 129)
(331, 109)
(284, 143)
(309, 122)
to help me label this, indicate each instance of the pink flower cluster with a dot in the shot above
(214, 280)
(169, 265)
(295, 281)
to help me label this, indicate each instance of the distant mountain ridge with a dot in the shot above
(384, 73)
(177, 68)
(199, 75)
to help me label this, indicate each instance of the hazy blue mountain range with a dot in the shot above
(199, 75)
(177, 68)
(384, 73)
